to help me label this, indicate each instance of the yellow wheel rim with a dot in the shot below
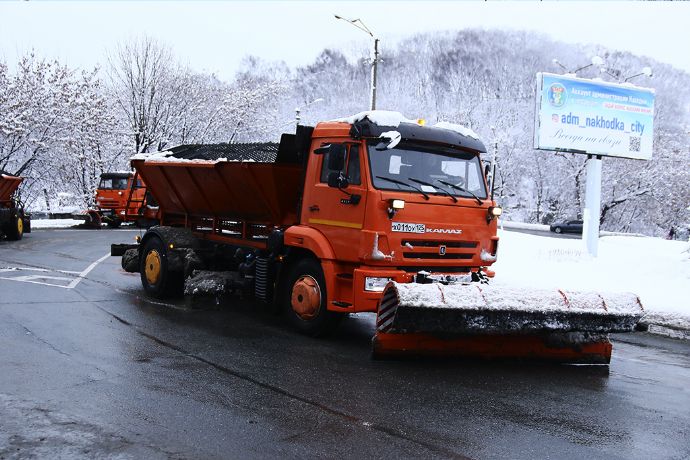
(153, 267)
(20, 226)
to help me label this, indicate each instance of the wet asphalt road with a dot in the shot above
(91, 368)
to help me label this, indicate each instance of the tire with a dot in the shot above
(156, 277)
(94, 220)
(114, 223)
(15, 229)
(558, 230)
(304, 298)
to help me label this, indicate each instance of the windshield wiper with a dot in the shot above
(445, 192)
(462, 189)
(399, 182)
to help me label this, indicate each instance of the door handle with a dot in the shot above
(314, 208)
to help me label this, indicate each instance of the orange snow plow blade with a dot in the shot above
(574, 349)
(487, 322)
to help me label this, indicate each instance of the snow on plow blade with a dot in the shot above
(499, 322)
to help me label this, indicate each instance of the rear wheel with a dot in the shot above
(304, 299)
(16, 228)
(156, 276)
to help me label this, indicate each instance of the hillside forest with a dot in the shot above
(60, 127)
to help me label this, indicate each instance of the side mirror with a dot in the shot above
(323, 150)
(336, 157)
(336, 179)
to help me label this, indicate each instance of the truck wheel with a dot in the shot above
(16, 228)
(93, 220)
(115, 223)
(156, 276)
(304, 299)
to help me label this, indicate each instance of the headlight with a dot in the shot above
(493, 213)
(398, 204)
(375, 284)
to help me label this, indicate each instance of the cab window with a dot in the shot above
(351, 170)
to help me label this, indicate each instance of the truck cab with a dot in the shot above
(390, 203)
(116, 191)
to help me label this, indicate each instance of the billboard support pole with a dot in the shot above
(592, 214)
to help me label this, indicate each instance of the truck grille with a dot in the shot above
(435, 255)
(436, 244)
(432, 250)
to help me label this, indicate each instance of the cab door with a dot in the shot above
(338, 213)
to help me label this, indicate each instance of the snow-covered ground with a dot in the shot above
(54, 223)
(657, 270)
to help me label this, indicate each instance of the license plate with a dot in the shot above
(408, 228)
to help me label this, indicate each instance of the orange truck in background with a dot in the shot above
(374, 213)
(120, 197)
(14, 222)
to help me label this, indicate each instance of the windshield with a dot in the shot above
(433, 172)
(113, 183)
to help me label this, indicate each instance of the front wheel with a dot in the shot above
(16, 228)
(558, 230)
(304, 299)
(114, 223)
(156, 276)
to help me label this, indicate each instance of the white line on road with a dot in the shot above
(33, 278)
(83, 274)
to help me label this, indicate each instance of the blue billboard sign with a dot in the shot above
(595, 117)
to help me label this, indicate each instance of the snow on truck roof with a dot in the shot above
(393, 119)
(378, 123)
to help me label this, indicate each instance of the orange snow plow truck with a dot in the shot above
(373, 213)
(14, 222)
(120, 197)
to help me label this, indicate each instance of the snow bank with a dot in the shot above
(656, 270)
(53, 223)
(521, 225)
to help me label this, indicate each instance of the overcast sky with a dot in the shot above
(215, 36)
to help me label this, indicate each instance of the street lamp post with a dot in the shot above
(596, 60)
(374, 64)
(645, 71)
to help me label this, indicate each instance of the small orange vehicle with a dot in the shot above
(14, 222)
(375, 213)
(120, 197)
